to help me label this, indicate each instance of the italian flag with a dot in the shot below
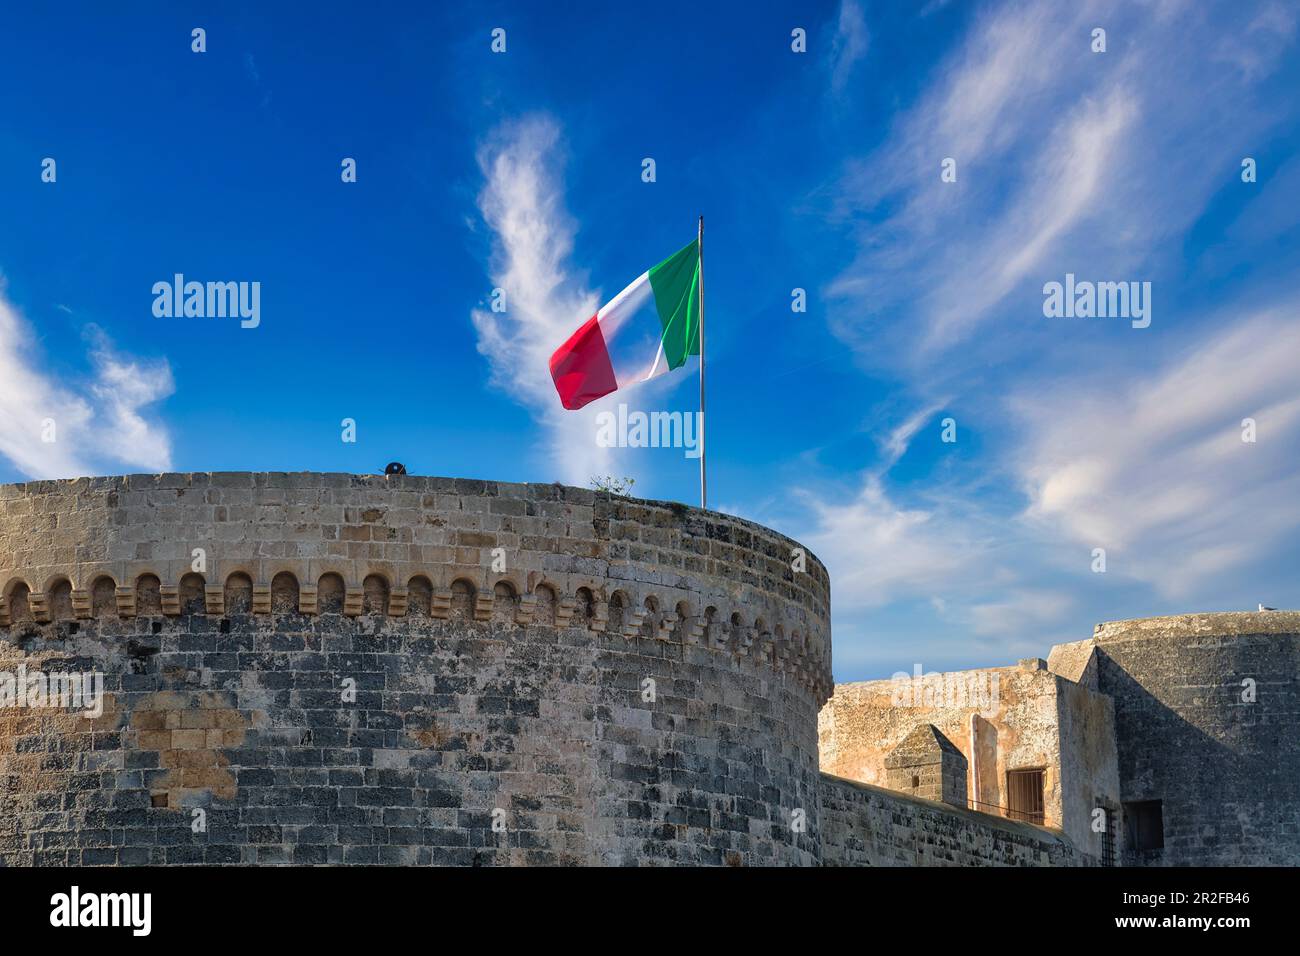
(650, 327)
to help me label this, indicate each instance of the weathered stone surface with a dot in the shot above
(1207, 715)
(329, 669)
(452, 721)
(927, 764)
(480, 736)
(864, 825)
(1001, 719)
(1197, 715)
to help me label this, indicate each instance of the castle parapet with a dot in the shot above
(259, 543)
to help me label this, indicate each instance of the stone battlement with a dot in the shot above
(1216, 623)
(311, 543)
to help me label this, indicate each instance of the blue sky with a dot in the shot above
(816, 170)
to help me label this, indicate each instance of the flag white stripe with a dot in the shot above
(633, 334)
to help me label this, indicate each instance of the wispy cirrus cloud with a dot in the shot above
(1098, 164)
(1268, 33)
(1155, 468)
(879, 550)
(1152, 468)
(63, 429)
(849, 44)
(547, 298)
(1065, 158)
(522, 202)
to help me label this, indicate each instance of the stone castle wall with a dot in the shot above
(865, 825)
(638, 683)
(318, 668)
(1025, 717)
(1207, 719)
(1184, 732)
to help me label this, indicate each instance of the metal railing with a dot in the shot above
(1027, 816)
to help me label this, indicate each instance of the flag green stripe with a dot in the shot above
(676, 286)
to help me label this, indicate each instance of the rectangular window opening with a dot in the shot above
(1144, 821)
(1025, 795)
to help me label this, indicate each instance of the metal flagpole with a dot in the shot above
(704, 483)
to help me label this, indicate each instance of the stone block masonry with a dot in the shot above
(1167, 741)
(864, 825)
(467, 743)
(1207, 715)
(348, 680)
(339, 669)
(927, 764)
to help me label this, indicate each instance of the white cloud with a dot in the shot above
(97, 425)
(936, 258)
(1018, 609)
(122, 388)
(878, 551)
(1074, 163)
(1097, 164)
(849, 44)
(1151, 466)
(1067, 160)
(975, 109)
(523, 203)
(1255, 51)
(898, 440)
(1154, 469)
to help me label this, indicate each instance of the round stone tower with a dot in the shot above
(323, 668)
(1207, 726)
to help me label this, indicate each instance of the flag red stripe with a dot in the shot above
(581, 367)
